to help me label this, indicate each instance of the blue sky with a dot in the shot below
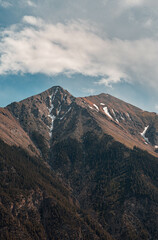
(85, 46)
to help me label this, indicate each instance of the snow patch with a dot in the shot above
(107, 112)
(96, 107)
(102, 104)
(53, 117)
(65, 113)
(113, 112)
(55, 93)
(128, 116)
(59, 110)
(156, 147)
(64, 97)
(122, 118)
(90, 107)
(51, 104)
(143, 135)
(115, 116)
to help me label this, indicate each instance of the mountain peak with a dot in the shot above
(55, 89)
(91, 144)
(56, 110)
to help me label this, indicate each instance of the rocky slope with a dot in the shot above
(13, 134)
(38, 114)
(93, 149)
(34, 204)
(115, 185)
(131, 125)
(56, 109)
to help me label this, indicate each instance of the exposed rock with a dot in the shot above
(90, 178)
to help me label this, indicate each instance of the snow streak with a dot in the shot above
(53, 117)
(143, 134)
(107, 112)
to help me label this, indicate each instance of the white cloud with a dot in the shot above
(33, 21)
(112, 17)
(109, 80)
(148, 23)
(31, 4)
(5, 4)
(90, 91)
(132, 3)
(156, 107)
(38, 47)
(138, 4)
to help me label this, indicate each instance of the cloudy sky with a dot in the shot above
(85, 46)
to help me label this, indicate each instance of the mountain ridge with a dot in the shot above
(123, 121)
(79, 170)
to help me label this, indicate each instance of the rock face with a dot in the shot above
(93, 149)
(129, 122)
(56, 111)
(13, 134)
(37, 115)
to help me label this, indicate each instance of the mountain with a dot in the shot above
(55, 110)
(38, 114)
(95, 158)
